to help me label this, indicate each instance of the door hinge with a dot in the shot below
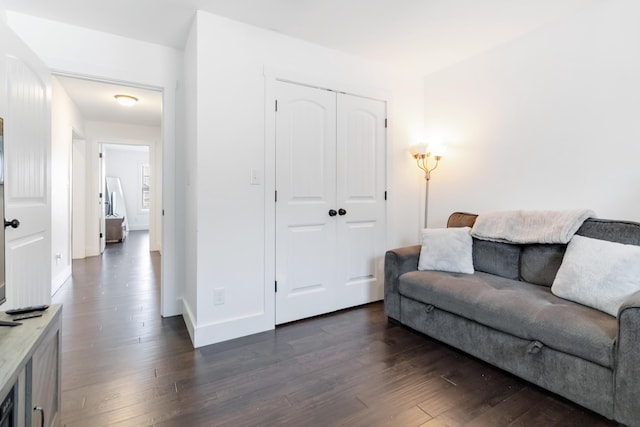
(276, 105)
(101, 235)
(162, 212)
(100, 195)
(276, 198)
(276, 283)
(385, 195)
(385, 123)
(100, 155)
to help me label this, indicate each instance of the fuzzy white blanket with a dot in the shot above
(530, 226)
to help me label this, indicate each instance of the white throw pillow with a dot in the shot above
(447, 249)
(598, 273)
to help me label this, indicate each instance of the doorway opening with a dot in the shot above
(132, 138)
(127, 191)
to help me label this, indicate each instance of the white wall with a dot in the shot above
(126, 163)
(549, 121)
(82, 52)
(232, 216)
(224, 128)
(65, 119)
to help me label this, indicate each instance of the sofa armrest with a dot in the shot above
(397, 262)
(627, 393)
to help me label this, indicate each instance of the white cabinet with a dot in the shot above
(45, 381)
(30, 368)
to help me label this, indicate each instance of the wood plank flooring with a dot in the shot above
(122, 364)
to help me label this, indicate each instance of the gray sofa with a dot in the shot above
(505, 314)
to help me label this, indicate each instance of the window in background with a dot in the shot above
(146, 186)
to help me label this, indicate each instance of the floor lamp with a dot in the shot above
(422, 159)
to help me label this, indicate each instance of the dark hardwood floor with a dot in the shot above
(122, 364)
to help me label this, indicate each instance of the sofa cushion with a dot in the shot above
(539, 263)
(501, 259)
(521, 309)
(626, 232)
(497, 258)
(598, 273)
(446, 249)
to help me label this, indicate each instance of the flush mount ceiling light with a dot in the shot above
(126, 100)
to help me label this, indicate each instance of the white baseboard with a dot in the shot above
(224, 330)
(189, 320)
(175, 309)
(59, 279)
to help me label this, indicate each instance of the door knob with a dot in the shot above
(14, 223)
(341, 212)
(332, 212)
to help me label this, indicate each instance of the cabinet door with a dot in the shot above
(45, 381)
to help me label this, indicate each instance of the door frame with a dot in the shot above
(170, 292)
(271, 76)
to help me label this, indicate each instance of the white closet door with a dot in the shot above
(24, 104)
(361, 193)
(306, 192)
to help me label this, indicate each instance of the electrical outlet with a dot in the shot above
(218, 296)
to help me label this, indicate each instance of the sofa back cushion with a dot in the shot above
(539, 263)
(497, 258)
(501, 259)
(625, 232)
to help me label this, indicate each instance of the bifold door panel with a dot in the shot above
(330, 210)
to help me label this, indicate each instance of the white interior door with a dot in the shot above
(330, 210)
(102, 195)
(25, 106)
(361, 199)
(306, 192)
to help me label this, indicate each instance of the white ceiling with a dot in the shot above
(96, 102)
(420, 36)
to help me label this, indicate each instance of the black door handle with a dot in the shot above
(332, 212)
(39, 409)
(341, 212)
(14, 223)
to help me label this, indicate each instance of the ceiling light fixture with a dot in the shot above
(126, 100)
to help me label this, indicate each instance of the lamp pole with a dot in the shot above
(423, 163)
(427, 178)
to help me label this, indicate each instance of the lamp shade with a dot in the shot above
(418, 149)
(437, 149)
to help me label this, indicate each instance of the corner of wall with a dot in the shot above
(189, 319)
(215, 332)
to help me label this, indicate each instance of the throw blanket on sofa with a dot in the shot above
(529, 226)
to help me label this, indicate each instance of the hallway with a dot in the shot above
(114, 341)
